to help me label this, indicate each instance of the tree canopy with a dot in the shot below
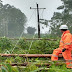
(64, 17)
(31, 30)
(12, 20)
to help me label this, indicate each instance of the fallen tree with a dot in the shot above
(29, 55)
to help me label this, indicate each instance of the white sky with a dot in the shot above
(24, 6)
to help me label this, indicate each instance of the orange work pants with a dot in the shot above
(66, 55)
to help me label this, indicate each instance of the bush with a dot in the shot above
(23, 44)
(5, 44)
(43, 47)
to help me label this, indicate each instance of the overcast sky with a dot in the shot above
(24, 6)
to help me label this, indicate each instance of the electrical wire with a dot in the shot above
(23, 31)
(34, 34)
(21, 34)
(31, 16)
(42, 14)
(31, 43)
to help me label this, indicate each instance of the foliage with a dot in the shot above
(61, 7)
(31, 30)
(43, 47)
(23, 44)
(8, 68)
(33, 68)
(43, 21)
(12, 21)
(37, 47)
(63, 17)
(5, 45)
(59, 68)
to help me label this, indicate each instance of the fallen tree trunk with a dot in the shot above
(28, 55)
(33, 39)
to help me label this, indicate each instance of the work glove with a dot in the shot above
(63, 50)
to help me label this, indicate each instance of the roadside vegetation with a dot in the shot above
(8, 46)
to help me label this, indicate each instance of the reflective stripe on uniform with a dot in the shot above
(70, 65)
(68, 60)
(67, 43)
(54, 55)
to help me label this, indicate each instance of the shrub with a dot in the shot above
(5, 44)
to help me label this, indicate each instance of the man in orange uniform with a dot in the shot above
(65, 46)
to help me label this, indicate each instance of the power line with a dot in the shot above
(23, 30)
(21, 34)
(31, 16)
(38, 18)
(42, 14)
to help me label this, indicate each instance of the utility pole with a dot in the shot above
(38, 22)
(38, 18)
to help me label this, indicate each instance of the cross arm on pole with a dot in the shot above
(38, 18)
(36, 8)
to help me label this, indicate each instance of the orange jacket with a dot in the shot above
(66, 40)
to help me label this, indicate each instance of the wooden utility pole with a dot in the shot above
(38, 22)
(38, 18)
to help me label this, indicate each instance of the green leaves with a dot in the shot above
(43, 47)
(4, 69)
(8, 68)
(60, 7)
(5, 44)
(31, 30)
(61, 68)
(44, 21)
(37, 46)
(63, 17)
(12, 21)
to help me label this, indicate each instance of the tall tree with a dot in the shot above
(62, 18)
(12, 20)
(31, 30)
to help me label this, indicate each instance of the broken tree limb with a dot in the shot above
(29, 55)
(33, 39)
